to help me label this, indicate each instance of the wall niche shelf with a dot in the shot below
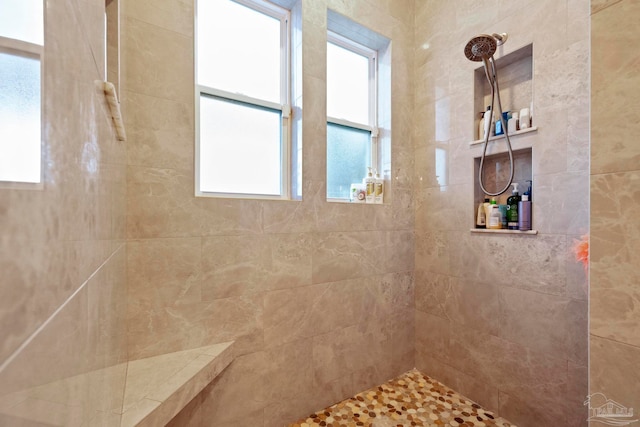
(502, 231)
(516, 133)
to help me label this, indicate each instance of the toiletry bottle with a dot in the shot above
(524, 118)
(379, 189)
(370, 182)
(481, 218)
(503, 215)
(512, 208)
(494, 222)
(487, 209)
(500, 123)
(481, 126)
(524, 213)
(487, 122)
(512, 126)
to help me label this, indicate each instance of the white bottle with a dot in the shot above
(512, 125)
(370, 182)
(524, 118)
(481, 127)
(379, 189)
(487, 122)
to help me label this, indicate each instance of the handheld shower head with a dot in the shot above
(484, 46)
(480, 48)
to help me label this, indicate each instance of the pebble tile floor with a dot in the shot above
(412, 399)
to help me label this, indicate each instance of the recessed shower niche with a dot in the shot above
(514, 73)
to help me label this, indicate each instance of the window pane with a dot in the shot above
(22, 20)
(19, 118)
(238, 50)
(347, 85)
(239, 148)
(348, 156)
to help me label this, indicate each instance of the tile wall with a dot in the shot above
(62, 248)
(318, 295)
(502, 319)
(615, 196)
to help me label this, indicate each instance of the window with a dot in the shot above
(21, 46)
(352, 133)
(242, 99)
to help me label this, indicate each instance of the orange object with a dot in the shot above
(581, 250)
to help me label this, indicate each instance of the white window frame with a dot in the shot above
(284, 16)
(372, 125)
(30, 50)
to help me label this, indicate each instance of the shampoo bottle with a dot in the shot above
(512, 208)
(487, 122)
(524, 213)
(494, 222)
(379, 189)
(481, 218)
(370, 182)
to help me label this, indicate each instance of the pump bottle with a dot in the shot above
(370, 182)
(512, 208)
(379, 189)
(524, 211)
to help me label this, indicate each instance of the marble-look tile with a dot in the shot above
(157, 330)
(551, 324)
(239, 393)
(288, 371)
(431, 291)
(339, 256)
(577, 391)
(614, 86)
(482, 313)
(163, 272)
(478, 391)
(157, 62)
(577, 277)
(432, 335)
(160, 131)
(432, 251)
(526, 262)
(613, 256)
(613, 371)
(172, 15)
(235, 265)
(307, 311)
(561, 205)
(161, 203)
(598, 5)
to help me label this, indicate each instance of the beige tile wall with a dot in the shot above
(615, 195)
(317, 294)
(62, 251)
(503, 319)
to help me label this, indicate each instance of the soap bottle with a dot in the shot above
(487, 209)
(487, 122)
(494, 221)
(369, 181)
(524, 210)
(481, 218)
(512, 125)
(512, 208)
(379, 189)
(481, 127)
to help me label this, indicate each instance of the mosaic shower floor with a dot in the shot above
(412, 399)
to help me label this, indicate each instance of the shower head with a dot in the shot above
(483, 47)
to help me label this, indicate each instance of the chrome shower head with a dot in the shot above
(483, 47)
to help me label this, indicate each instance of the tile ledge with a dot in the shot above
(502, 231)
(189, 372)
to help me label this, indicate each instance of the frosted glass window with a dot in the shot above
(347, 85)
(22, 20)
(239, 49)
(348, 156)
(239, 148)
(19, 118)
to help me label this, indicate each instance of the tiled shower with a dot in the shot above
(116, 260)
